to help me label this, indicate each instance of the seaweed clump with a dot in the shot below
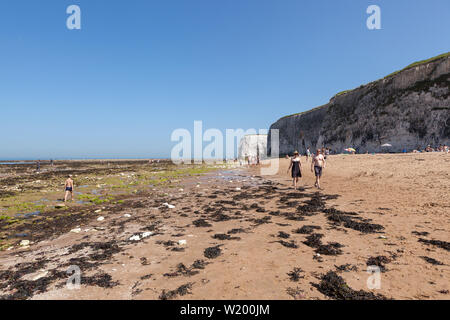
(213, 252)
(438, 243)
(221, 236)
(346, 219)
(306, 229)
(334, 286)
(432, 261)
(283, 235)
(294, 275)
(201, 223)
(180, 291)
(330, 249)
(102, 280)
(182, 270)
(379, 261)
(291, 244)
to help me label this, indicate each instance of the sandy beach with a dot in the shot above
(230, 233)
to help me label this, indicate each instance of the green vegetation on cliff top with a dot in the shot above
(412, 65)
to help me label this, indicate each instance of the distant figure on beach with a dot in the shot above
(38, 166)
(324, 153)
(308, 154)
(68, 188)
(295, 165)
(317, 165)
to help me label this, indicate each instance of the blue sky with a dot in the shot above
(139, 69)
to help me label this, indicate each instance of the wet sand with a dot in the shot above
(244, 236)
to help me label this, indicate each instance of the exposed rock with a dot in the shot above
(408, 109)
(252, 145)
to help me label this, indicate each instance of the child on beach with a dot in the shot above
(68, 187)
(296, 168)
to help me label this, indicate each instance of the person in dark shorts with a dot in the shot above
(295, 167)
(318, 171)
(317, 166)
(68, 186)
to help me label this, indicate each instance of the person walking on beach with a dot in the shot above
(317, 165)
(296, 172)
(68, 186)
(38, 166)
(308, 154)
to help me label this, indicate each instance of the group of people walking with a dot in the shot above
(317, 166)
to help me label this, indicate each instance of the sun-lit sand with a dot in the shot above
(235, 235)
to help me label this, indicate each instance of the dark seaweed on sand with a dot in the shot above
(102, 250)
(168, 243)
(102, 280)
(432, 261)
(24, 289)
(294, 217)
(235, 231)
(146, 277)
(438, 243)
(295, 293)
(218, 217)
(335, 287)
(283, 235)
(221, 236)
(312, 206)
(417, 233)
(306, 229)
(182, 270)
(346, 267)
(213, 252)
(291, 244)
(262, 220)
(330, 249)
(315, 241)
(199, 264)
(201, 223)
(379, 261)
(180, 291)
(350, 222)
(294, 275)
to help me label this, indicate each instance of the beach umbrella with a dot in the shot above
(387, 145)
(350, 150)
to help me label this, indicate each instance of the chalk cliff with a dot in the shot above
(251, 144)
(408, 109)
